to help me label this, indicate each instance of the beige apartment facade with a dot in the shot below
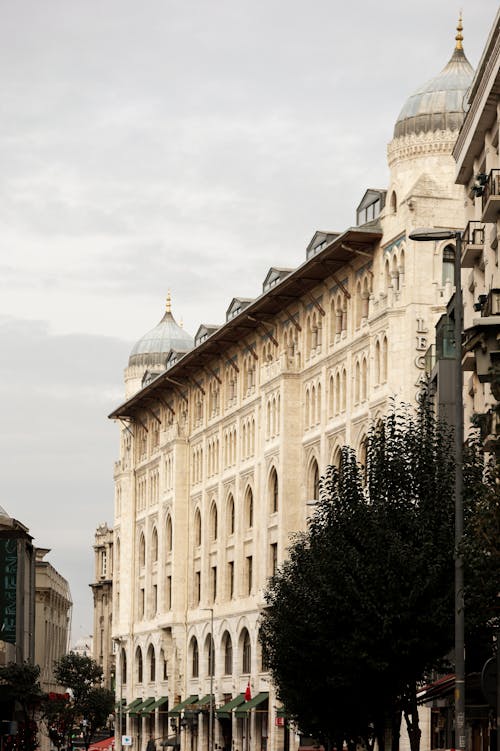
(478, 170)
(223, 439)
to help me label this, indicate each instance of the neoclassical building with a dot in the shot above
(223, 438)
(102, 645)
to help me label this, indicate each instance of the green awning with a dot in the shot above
(245, 708)
(146, 705)
(122, 704)
(159, 703)
(203, 703)
(224, 713)
(133, 705)
(281, 712)
(175, 711)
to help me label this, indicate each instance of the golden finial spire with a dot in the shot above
(459, 37)
(169, 302)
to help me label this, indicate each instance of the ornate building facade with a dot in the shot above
(223, 438)
(102, 586)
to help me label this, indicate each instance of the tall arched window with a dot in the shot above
(152, 663)
(213, 521)
(195, 658)
(314, 480)
(377, 363)
(249, 508)
(123, 667)
(154, 545)
(384, 360)
(168, 534)
(138, 663)
(197, 528)
(273, 491)
(227, 646)
(449, 265)
(246, 652)
(142, 551)
(210, 655)
(230, 515)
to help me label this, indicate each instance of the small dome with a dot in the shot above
(439, 103)
(152, 348)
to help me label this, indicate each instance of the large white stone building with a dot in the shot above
(223, 438)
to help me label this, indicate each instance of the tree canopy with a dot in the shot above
(86, 707)
(361, 611)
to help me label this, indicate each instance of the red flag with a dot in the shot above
(248, 693)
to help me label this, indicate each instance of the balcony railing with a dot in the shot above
(491, 197)
(472, 244)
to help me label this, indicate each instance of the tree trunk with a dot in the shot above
(396, 729)
(411, 718)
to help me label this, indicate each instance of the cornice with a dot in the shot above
(438, 142)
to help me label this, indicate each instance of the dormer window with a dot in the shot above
(370, 207)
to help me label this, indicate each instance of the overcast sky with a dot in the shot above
(169, 144)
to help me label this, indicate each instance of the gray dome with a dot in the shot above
(152, 348)
(439, 103)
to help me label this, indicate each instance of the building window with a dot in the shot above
(273, 558)
(142, 551)
(197, 588)
(197, 528)
(249, 573)
(249, 508)
(154, 546)
(168, 593)
(246, 663)
(141, 602)
(209, 651)
(104, 563)
(230, 579)
(155, 599)
(213, 522)
(228, 654)
(448, 265)
(168, 534)
(214, 583)
(138, 659)
(124, 668)
(152, 663)
(230, 515)
(273, 491)
(314, 480)
(195, 659)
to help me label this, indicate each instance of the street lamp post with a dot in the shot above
(118, 670)
(422, 235)
(211, 668)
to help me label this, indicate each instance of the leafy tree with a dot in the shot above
(373, 578)
(20, 684)
(86, 708)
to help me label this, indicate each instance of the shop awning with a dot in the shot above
(146, 706)
(158, 703)
(133, 705)
(203, 703)
(245, 708)
(175, 711)
(281, 712)
(224, 713)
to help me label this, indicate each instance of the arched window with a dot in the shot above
(449, 265)
(138, 663)
(365, 299)
(213, 521)
(246, 652)
(249, 508)
(210, 655)
(154, 545)
(377, 362)
(357, 382)
(230, 515)
(142, 551)
(273, 491)
(384, 358)
(343, 390)
(168, 534)
(387, 275)
(227, 646)
(395, 273)
(197, 528)
(152, 663)
(117, 555)
(394, 202)
(195, 659)
(314, 480)
(359, 305)
(123, 667)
